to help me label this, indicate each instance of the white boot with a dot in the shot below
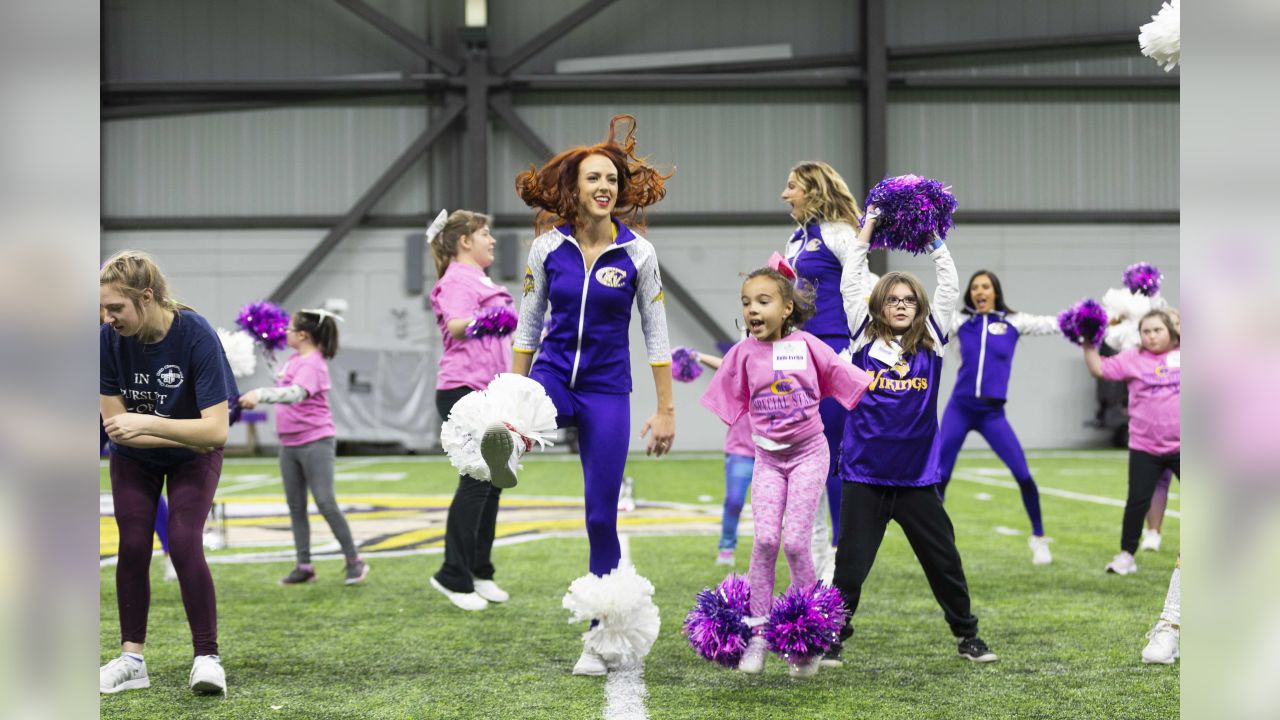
(752, 661)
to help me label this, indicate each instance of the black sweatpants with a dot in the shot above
(473, 517)
(865, 512)
(1145, 470)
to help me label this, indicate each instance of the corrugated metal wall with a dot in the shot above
(1041, 150)
(268, 162)
(919, 22)
(731, 149)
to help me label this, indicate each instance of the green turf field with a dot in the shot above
(1068, 634)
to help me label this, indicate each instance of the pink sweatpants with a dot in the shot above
(786, 488)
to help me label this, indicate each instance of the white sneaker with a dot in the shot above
(122, 674)
(590, 663)
(1122, 564)
(490, 591)
(805, 669)
(466, 601)
(1150, 541)
(1040, 554)
(170, 572)
(1163, 646)
(752, 661)
(724, 557)
(498, 449)
(207, 675)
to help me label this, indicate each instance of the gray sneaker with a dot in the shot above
(498, 450)
(356, 572)
(300, 574)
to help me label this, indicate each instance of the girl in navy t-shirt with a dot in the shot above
(164, 385)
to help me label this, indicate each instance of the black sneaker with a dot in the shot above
(356, 572)
(832, 657)
(300, 574)
(974, 649)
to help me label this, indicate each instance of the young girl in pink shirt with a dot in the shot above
(462, 299)
(776, 378)
(308, 442)
(1154, 374)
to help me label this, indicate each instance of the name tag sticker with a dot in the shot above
(790, 356)
(882, 351)
(1173, 359)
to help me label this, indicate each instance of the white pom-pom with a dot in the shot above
(523, 404)
(622, 604)
(1124, 311)
(1161, 39)
(460, 435)
(239, 349)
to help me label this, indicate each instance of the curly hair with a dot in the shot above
(553, 188)
(800, 294)
(827, 195)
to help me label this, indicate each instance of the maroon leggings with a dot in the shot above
(135, 491)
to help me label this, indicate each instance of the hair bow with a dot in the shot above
(780, 264)
(433, 230)
(324, 314)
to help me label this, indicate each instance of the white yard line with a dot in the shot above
(624, 690)
(970, 476)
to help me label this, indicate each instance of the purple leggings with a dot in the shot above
(604, 434)
(786, 490)
(135, 491)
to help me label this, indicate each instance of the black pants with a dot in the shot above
(1145, 470)
(865, 512)
(473, 516)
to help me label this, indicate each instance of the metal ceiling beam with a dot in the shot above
(163, 109)
(543, 40)
(500, 103)
(1028, 82)
(366, 202)
(654, 219)
(875, 104)
(258, 89)
(1014, 45)
(835, 78)
(400, 34)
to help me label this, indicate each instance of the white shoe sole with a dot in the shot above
(989, 657)
(496, 447)
(1159, 661)
(137, 684)
(1118, 571)
(452, 596)
(208, 687)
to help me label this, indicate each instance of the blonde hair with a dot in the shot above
(444, 246)
(133, 272)
(827, 196)
(917, 335)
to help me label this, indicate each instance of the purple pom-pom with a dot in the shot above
(1084, 322)
(805, 622)
(267, 322)
(913, 211)
(1143, 278)
(496, 321)
(716, 626)
(684, 364)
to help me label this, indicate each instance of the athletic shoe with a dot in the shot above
(356, 572)
(805, 669)
(170, 572)
(725, 557)
(1122, 564)
(123, 673)
(207, 675)
(1040, 554)
(589, 663)
(1163, 646)
(832, 658)
(466, 601)
(490, 591)
(499, 453)
(974, 649)
(1150, 540)
(300, 574)
(752, 661)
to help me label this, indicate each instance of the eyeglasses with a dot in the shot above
(906, 302)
